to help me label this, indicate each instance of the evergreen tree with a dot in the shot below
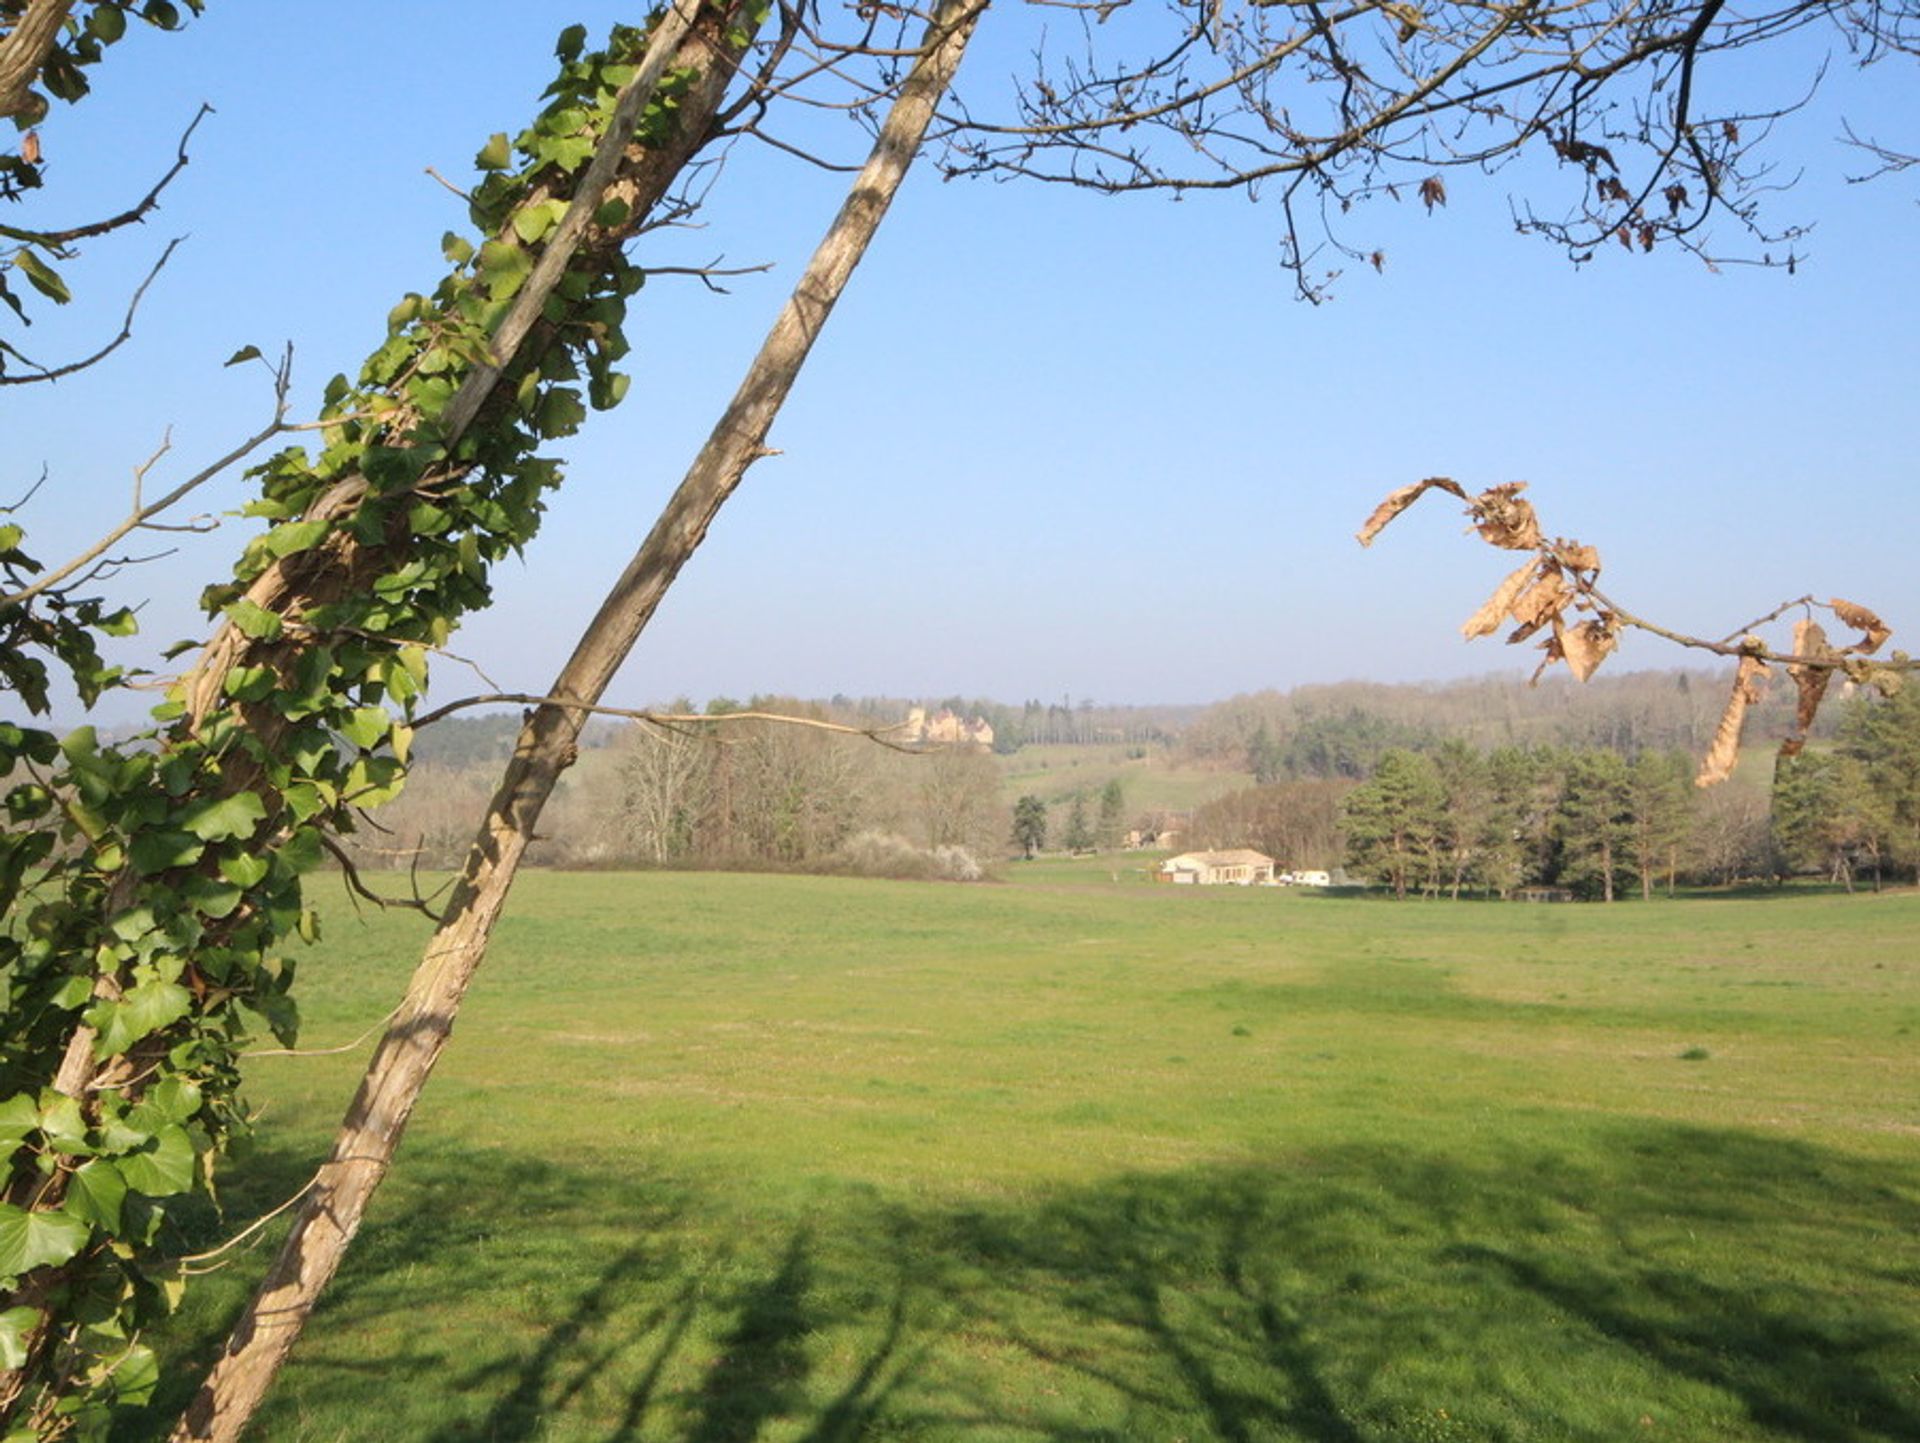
(1392, 819)
(1884, 737)
(1595, 821)
(1113, 814)
(1079, 837)
(1660, 797)
(1827, 814)
(1029, 825)
(1466, 805)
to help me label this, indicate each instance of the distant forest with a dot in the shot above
(1295, 773)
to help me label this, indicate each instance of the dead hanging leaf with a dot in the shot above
(30, 147)
(1550, 652)
(1809, 640)
(1873, 630)
(1748, 683)
(1576, 557)
(1433, 191)
(1541, 602)
(1585, 646)
(1489, 616)
(1400, 500)
(1504, 520)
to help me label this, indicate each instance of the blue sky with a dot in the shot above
(1051, 442)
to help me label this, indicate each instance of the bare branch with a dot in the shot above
(708, 272)
(668, 720)
(57, 240)
(143, 512)
(359, 888)
(42, 373)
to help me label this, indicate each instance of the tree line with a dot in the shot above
(1456, 820)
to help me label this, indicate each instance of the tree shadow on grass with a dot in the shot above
(1710, 1285)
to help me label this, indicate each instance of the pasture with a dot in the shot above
(718, 1158)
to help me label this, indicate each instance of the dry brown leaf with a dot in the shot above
(1874, 630)
(1550, 652)
(1489, 616)
(1504, 520)
(1748, 683)
(1577, 557)
(1585, 646)
(1400, 500)
(1542, 601)
(1809, 640)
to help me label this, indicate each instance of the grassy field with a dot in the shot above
(730, 1158)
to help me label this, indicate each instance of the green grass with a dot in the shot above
(728, 1158)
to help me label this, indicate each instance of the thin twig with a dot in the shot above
(55, 239)
(43, 373)
(358, 888)
(325, 1051)
(248, 1231)
(668, 719)
(142, 514)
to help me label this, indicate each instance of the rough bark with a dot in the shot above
(23, 50)
(371, 1131)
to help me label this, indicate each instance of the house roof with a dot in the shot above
(1237, 857)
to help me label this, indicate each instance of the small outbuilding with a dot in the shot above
(1240, 867)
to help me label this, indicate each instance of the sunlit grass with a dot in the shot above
(727, 1158)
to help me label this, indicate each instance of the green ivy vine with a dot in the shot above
(153, 888)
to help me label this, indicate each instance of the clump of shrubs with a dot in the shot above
(874, 853)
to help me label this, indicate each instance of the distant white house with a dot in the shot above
(1238, 868)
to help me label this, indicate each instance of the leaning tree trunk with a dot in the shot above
(363, 1150)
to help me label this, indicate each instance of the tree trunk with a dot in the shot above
(371, 1131)
(23, 50)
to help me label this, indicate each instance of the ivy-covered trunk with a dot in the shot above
(152, 887)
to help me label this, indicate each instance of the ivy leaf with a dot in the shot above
(162, 851)
(561, 413)
(366, 726)
(295, 536)
(109, 22)
(532, 222)
(62, 1124)
(504, 267)
(209, 898)
(495, 154)
(94, 1194)
(31, 1240)
(19, 1115)
(137, 1375)
(243, 869)
(219, 818)
(15, 1325)
(164, 1167)
(172, 1100)
(144, 1009)
(254, 620)
(244, 354)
